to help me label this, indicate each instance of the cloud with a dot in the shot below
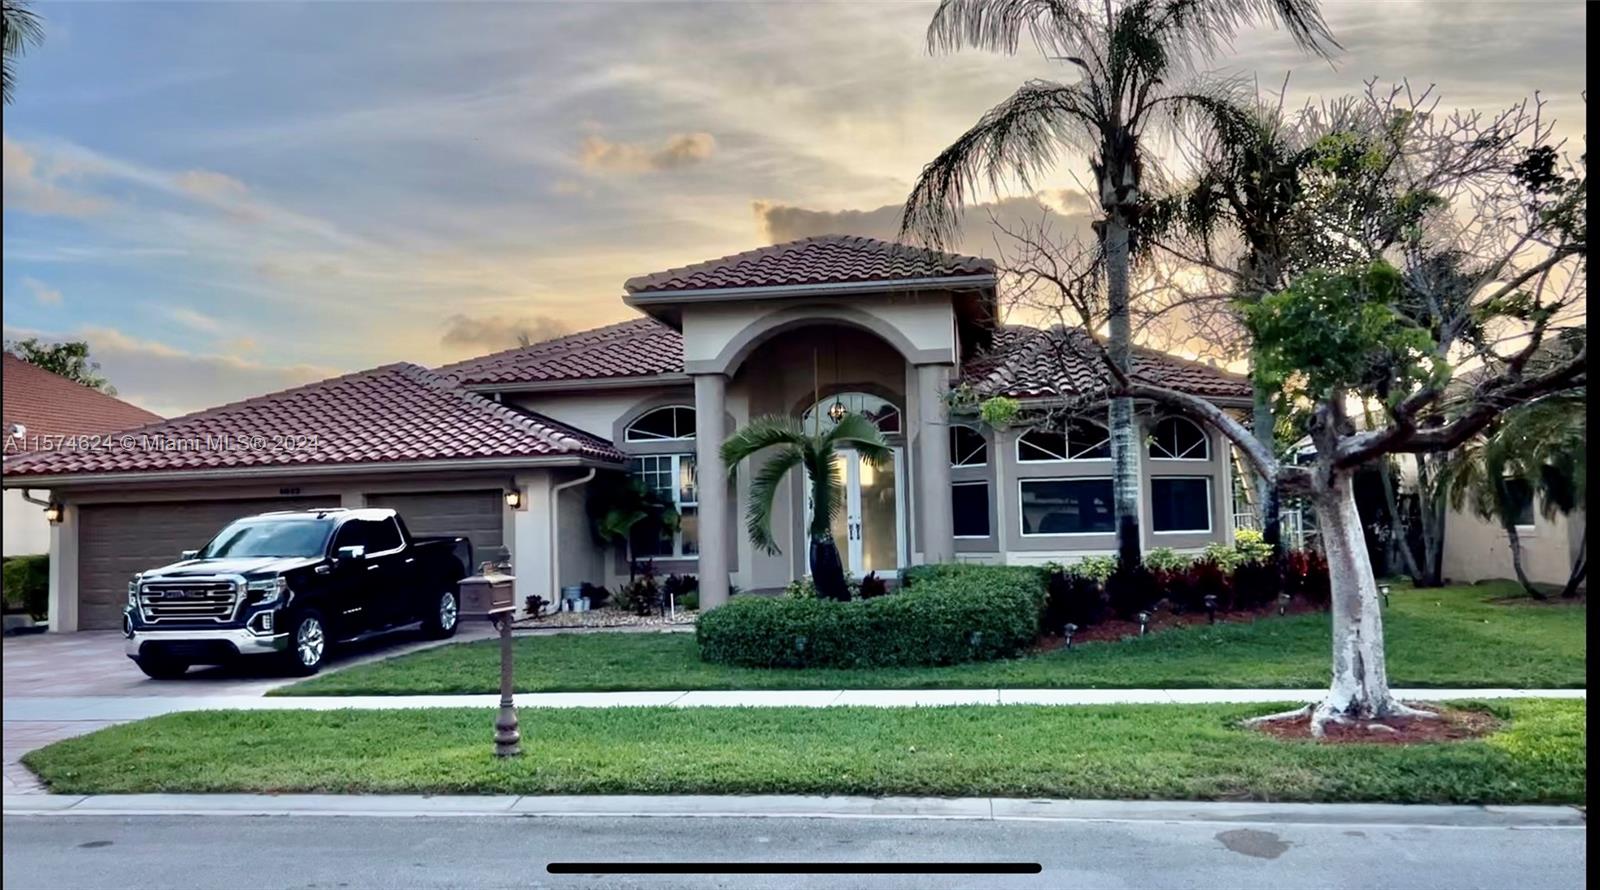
(210, 185)
(491, 333)
(170, 381)
(197, 321)
(35, 187)
(600, 155)
(45, 294)
(1067, 213)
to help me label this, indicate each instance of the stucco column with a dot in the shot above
(710, 411)
(933, 456)
(63, 603)
(530, 541)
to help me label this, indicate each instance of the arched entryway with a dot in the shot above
(870, 530)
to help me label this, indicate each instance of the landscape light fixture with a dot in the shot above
(1211, 607)
(837, 411)
(1283, 603)
(1068, 631)
(1384, 589)
(514, 498)
(1144, 622)
(52, 513)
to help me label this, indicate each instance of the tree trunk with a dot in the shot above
(1268, 503)
(1360, 688)
(827, 570)
(1399, 546)
(1515, 541)
(1431, 512)
(1579, 569)
(1124, 439)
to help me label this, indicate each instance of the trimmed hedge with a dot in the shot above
(949, 614)
(26, 581)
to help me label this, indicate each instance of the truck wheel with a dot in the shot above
(308, 643)
(160, 667)
(442, 618)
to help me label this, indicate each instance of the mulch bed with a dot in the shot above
(1452, 725)
(1114, 630)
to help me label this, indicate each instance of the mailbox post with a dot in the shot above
(490, 595)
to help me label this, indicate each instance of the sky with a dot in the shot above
(230, 198)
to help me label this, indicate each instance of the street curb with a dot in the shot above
(783, 806)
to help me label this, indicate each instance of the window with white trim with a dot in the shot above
(1066, 506)
(672, 478)
(1078, 440)
(968, 447)
(969, 506)
(1179, 438)
(1180, 504)
(673, 423)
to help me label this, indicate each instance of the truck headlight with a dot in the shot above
(267, 591)
(133, 593)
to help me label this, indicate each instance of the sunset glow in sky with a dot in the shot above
(230, 198)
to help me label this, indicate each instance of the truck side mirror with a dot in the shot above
(188, 554)
(355, 552)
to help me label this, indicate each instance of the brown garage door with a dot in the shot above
(116, 540)
(475, 515)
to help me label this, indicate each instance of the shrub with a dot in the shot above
(912, 574)
(1132, 589)
(1305, 574)
(1255, 583)
(951, 614)
(597, 595)
(535, 604)
(642, 595)
(26, 584)
(1071, 598)
(1095, 568)
(1165, 559)
(802, 588)
(678, 588)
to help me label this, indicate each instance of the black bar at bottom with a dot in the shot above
(794, 868)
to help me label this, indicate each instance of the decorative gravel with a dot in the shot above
(605, 618)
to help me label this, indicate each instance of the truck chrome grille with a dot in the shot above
(190, 599)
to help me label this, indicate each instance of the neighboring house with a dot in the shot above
(500, 447)
(42, 410)
(1476, 549)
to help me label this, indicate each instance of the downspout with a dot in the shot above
(31, 499)
(555, 526)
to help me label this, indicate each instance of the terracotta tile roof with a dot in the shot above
(50, 405)
(393, 414)
(1027, 362)
(639, 348)
(825, 259)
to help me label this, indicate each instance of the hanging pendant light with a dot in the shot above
(837, 411)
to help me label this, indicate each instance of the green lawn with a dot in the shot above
(1130, 752)
(1444, 637)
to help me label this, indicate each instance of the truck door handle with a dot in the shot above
(372, 568)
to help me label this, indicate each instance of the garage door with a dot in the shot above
(116, 540)
(475, 515)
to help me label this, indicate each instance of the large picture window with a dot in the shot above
(1179, 438)
(1066, 506)
(969, 501)
(672, 478)
(1078, 440)
(1180, 504)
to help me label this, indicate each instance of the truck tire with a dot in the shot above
(308, 643)
(160, 667)
(443, 616)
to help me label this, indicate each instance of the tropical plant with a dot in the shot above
(1536, 450)
(816, 454)
(22, 29)
(70, 360)
(1131, 58)
(621, 507)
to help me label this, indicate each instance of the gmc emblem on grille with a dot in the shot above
(185, 594)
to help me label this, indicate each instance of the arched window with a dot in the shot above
(968, 447)
(1079, 440)
(672, 423)
(824, 414)
(1179, 438)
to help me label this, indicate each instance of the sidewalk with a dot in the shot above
(795, 806)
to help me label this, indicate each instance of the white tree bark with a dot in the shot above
(1124, 439)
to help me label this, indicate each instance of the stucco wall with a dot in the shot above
(1476, 549)
(26, 530)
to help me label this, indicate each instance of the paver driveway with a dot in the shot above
(91, 664)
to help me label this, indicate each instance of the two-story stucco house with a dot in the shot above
(501, 448)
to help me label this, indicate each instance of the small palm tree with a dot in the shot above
(815, 453)
(1539, 446)
(620, 505)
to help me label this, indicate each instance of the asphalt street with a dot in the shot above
(320, 851)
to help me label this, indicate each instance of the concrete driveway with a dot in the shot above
(91, 665)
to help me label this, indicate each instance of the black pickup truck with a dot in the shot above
(289, 585)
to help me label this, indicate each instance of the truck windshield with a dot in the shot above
(270, 537)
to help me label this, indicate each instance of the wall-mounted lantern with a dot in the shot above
(52, 513)
(514, 498)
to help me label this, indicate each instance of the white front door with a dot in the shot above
(869, 531)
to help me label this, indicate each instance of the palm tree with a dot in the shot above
(21, 29)
(815, 453)
(1538, 448)
(1129, 58)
